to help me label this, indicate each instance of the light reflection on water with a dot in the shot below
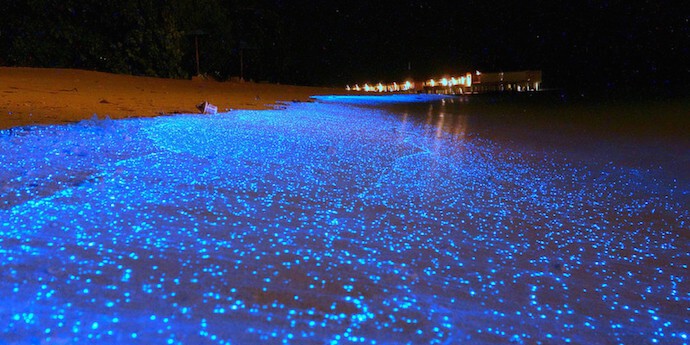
(543, 125)
(333, 222)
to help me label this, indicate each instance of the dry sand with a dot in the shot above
(51, 96)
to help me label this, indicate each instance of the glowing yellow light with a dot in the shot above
(432, 83)
(380, 87)
(357, 88)
(367, 88)
(444, 82)
(468, 79)
(408, 85)
(347, 87)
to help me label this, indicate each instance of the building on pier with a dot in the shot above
(506, 81)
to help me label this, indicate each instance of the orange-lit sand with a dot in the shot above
(52, 96)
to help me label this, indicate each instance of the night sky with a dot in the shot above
(579, 45)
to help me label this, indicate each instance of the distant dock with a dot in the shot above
(469, 83)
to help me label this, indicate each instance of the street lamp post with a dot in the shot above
(196, 34)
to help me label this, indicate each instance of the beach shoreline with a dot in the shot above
(42, 96)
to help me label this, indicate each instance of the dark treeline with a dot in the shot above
(143, 37)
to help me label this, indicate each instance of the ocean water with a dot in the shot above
(374, 220)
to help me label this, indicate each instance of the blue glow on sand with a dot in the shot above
(330, 223)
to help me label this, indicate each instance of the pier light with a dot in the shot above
(408, 85)
(462, 80)
(453, 81)
(432, 83)
(444, 82)
(367, 88)
(380, 87)
(357, 88)
(347, 87)
(468, 79)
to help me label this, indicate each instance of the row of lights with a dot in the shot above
(464, 81)
(380, 87)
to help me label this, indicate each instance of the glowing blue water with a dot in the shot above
(330, 223)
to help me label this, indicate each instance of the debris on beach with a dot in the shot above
(207, 108)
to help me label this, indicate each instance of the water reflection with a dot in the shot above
(445, 116)
(542, 128)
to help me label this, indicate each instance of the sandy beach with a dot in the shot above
(53, 96)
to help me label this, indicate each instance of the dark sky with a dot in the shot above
(578, 44)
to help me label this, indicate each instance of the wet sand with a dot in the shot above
(332, 223)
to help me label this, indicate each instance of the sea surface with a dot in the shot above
(407, 219)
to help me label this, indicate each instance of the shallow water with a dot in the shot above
(342, 221)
